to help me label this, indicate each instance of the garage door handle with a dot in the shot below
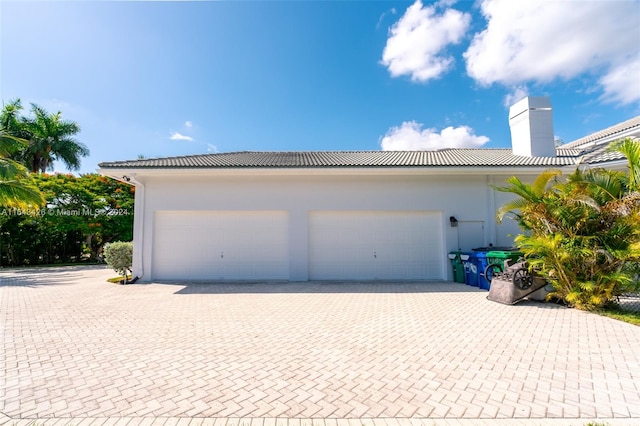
(375, 255)
(221, 255)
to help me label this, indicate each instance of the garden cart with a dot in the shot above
(514, 283)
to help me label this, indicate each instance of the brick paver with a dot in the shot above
(303, 354)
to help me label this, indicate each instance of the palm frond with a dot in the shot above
(541, 183)
(586, 201)
(530, 192)
(9, 116)
(20, 194)
(605, 184)
(630, 148)
(511, 207)
(10, 144)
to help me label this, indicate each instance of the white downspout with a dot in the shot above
(491, 220)
(138, 228)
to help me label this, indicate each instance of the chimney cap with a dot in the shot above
(530, 103)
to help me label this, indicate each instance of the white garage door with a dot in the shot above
(214, 245)
(375, 245)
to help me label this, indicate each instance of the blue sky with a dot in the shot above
(180, 78)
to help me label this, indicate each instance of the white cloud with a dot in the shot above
(417, 41)
(175, 136)
(622, 83)
(411, 137)
(188, 124)
(541, 40)
(211, 148)
(517, 93)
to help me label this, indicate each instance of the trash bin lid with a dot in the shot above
(504, 254)
(494, 248)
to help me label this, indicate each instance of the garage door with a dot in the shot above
(214, 245)
(375, 245)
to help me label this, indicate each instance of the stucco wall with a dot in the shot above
(468, 198)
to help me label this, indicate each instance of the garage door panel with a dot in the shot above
(214, 245)
(375, 245)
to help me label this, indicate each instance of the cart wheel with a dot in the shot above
(491, 270)
(522, 279)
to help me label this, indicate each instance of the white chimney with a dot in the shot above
(531, 123)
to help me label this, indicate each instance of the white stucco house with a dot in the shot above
(366, 215)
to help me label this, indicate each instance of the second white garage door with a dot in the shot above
(375, 245)
(215, 245)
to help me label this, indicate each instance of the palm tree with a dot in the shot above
(51, 138)
(17, 189)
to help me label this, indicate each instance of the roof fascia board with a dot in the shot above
(120, 173)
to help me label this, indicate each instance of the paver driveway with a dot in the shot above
(76, 346)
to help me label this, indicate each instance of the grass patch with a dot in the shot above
(119, 280)
(620, 314)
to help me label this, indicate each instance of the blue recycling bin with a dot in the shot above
(481, 264)
(470, 268)
(482, 261)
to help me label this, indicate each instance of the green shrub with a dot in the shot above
(119, 257)
(582, 231)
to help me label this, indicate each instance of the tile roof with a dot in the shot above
(585, 150)
(605, 133)
(451, 157)
(600, 154)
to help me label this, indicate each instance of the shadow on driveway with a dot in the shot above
(259, 287)
(46, 275)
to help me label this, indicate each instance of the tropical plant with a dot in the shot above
(51, 138)
(630, 148)
(119, 256)
(582, 232)
(102, 208)
(10, 118)
(81, 215)
(17, 189)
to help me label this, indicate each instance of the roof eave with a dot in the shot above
(121, 172)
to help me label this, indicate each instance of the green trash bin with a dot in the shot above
(457, 266)
(496, 259)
